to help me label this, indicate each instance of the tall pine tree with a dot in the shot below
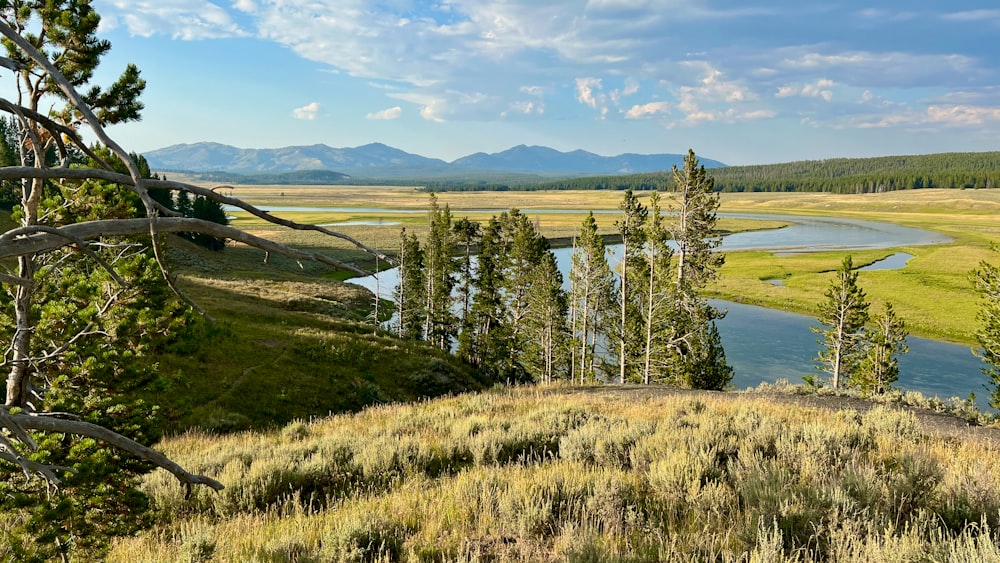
(630, 325)
(691, 338)
(592, 290)
(440, 324)
(844, 314)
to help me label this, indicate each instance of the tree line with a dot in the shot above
(837, 175)
(507, 311)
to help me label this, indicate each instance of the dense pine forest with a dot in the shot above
(837, 175)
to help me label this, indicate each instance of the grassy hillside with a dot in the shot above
(288, 343)
(612, 474)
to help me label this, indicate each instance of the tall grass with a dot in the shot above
(557, 474)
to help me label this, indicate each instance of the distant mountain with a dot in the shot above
(377, 160)
(366, 161)
(546, 160)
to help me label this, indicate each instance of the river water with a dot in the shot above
(767, 345)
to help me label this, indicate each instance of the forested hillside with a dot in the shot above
(838, 175)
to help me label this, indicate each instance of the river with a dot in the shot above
(767, 345)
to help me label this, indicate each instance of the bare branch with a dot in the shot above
(41, 241)
(82, 428)
(80, 244)
(16, 172)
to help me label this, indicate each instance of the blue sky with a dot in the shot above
(741, 81)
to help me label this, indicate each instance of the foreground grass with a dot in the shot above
(583, 475)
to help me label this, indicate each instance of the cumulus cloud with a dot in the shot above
(307, 112)
(587, 91)
(386, 114)
(647, 110)
(963, 115)
(818, 89)
(181, 19)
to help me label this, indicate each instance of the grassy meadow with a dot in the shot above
(583, 474)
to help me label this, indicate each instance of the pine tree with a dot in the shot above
(592, 293)
(466, 234)
(695, 205)
(845, 313)
(884, 342)
(689, 338)
(409, 295)
(708, 368)
(525, 251)
(440, 324)
(487, 343)
(546, 350)
(658, 256)
(631, 229)
(986, 280)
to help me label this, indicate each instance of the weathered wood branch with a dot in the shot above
(40, 241)
(82, 428)
(17, 172)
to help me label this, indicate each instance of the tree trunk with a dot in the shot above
(624, 303)
(19, 378)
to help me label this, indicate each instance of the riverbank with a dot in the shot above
(932, 293)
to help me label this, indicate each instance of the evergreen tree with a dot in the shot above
(689, 338)
(592, 290)
(488, 342)
(885, 341)
(209, 210)
(707, 368)
(183, 204)
(986, 280)
(695, 203)
(409, 294)
(845, 314)
(466, 234)
(658, 291)
(440, 324)
(630, 326)
(546, 342)
(525, 251)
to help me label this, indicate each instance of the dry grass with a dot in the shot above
(555, 474)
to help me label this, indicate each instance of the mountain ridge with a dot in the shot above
(380, 160)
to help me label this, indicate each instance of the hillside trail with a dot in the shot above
(931, 423)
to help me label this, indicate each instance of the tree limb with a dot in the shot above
(82, 428)
(39, 241)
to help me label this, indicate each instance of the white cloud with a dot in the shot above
(972, 16)
(180, 19)
(307, 112)
(386, 114)
(647, 110)
(248, 6)
(585, 91)
(818, 89)
(963, 115)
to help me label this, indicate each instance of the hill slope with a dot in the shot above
(587, 474)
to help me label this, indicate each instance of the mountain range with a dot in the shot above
(377, 160)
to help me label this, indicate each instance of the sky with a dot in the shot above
(739, 81)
